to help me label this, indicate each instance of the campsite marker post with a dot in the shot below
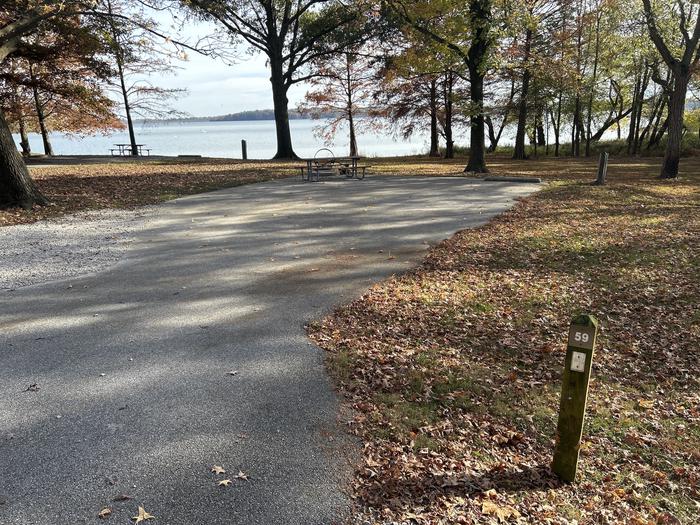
(574, 394)
(602, 169)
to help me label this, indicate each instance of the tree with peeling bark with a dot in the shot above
(292, 34)
(682, 57)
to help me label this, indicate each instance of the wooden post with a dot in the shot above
(244, 149)
(574, 394)
(602, 169)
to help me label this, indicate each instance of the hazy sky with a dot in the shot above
(215, 88)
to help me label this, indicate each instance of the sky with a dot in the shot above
(216, 88)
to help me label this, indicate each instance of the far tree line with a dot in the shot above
(556, 72)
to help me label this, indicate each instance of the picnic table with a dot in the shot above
(123, 150)
(332, 165)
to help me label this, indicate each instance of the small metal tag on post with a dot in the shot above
(244, 149)
(574, 394)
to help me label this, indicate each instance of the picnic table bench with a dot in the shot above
(331, 165)
(123, 150)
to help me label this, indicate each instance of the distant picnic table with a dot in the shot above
(123, 150)
(332, 165)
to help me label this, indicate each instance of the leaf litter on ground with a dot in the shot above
(453, 369)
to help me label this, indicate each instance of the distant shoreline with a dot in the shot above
(241, 116)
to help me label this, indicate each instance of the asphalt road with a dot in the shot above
(135, 395)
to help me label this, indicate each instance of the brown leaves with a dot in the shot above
(216, 469)
(646, 403)
(502, 512)
(104, 513)
(454, 369)
(142, 516)
(73, 188)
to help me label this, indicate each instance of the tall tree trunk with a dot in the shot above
(493, 141)
(541, 140)
(127, 110)
(534, 137)
(657, 109)
(596, 53)
(119, 59)
(681, 69)
(353, 137)
(575, 126)
(281, 106)
(519, 152)
(556, 124)
(350, 111)
(576, 129)
(494, 138)
(449, 146)
(48, 149)
(676, 107)
(633, 115)
(480, 14)
(546, 127)
(16, 186)
(477, 147)
(556, 121)
(658, 134)
(24, 138)
(434, 145)
(640, 108)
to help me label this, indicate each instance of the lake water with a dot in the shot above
(223, 139)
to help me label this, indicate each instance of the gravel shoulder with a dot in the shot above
(69, 246)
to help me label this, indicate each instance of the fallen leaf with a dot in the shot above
(216, 469)
(104, 513)
(646, 403)
(224, 482)
(122, 497)
(666, 518)
(242, 475)
(143, 516)
(502, 512)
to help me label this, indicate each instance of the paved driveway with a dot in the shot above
(132, 364)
